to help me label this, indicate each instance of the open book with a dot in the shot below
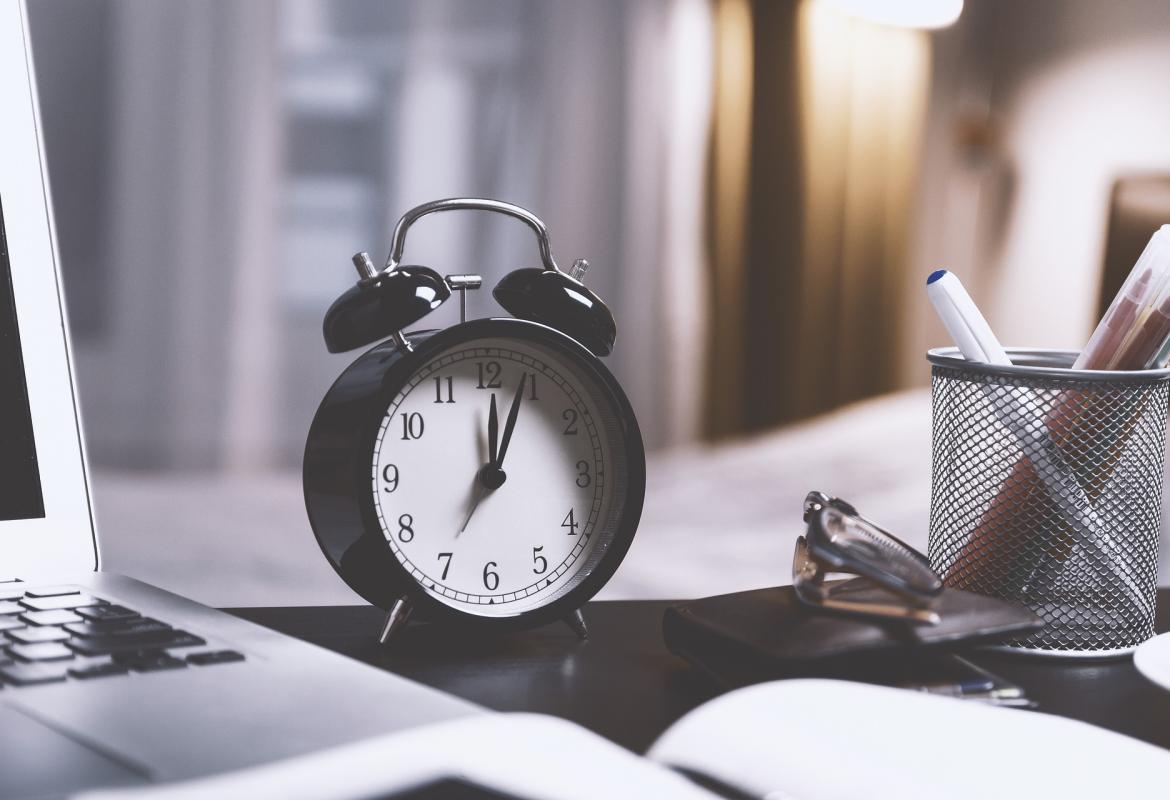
(790, 740)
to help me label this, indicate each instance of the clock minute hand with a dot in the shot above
(510, 424)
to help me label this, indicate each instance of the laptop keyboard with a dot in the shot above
(50, 634)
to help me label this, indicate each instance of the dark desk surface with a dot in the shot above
(625, 685)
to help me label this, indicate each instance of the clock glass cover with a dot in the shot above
(495, 473)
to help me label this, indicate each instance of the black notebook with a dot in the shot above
(748, 637)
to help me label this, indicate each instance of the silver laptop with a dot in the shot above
(105, 680)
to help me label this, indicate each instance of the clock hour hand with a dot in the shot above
(493, 431)
(510, 425)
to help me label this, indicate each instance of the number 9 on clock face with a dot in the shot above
(499, 474)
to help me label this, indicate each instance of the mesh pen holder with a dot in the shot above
(1047, 490)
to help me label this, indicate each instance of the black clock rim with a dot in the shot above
(425, 606)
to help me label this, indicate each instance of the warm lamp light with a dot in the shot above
(904, 13)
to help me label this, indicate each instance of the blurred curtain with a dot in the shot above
(817, 125)
(248, 149)
(178, 370)
(663, 330)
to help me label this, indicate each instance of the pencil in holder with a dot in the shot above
(1047, 491)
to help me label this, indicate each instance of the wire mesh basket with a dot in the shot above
(1047, 490)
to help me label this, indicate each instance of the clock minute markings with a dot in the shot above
(497, 448)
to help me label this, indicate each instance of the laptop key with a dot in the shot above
(141, 628)
(8, 607)
(28, 674)
(98, 671)
(51, 591)
(45, 633)
(66, 601)
(11, 594)
(56, 617)
(9, 623)
(116, 627)
(152, 662)
(107, 612)
(136, 643)
(216, 657)
(44, 651)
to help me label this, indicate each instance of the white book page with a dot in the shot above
(803, 739)
(525, 755)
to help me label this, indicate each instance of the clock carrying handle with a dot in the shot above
(384, 303)
(470, 204)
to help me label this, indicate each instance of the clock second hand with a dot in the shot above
(479, 493)
(493, 446)
(491, 476)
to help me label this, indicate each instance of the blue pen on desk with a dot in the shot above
(963, 321)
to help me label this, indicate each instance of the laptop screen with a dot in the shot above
(20, 478)
(46, 522)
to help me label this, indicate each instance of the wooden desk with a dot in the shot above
(625, 685)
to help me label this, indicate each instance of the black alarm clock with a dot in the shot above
(488, 475)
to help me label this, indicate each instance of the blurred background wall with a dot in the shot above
(761, 187)
(216, 165)
(1037, 110)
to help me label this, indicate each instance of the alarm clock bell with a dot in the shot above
(561, 301)
(381, 305)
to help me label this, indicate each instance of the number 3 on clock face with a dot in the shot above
(497, 476)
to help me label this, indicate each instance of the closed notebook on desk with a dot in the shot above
(748, 637)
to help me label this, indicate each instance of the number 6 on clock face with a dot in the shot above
(496, 538)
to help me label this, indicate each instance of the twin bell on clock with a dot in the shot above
(489, 475)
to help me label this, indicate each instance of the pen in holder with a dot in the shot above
(1047, 488)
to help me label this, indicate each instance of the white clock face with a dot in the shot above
(504, 536)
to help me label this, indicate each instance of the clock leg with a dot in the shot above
(399, 614)
(576, 621)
